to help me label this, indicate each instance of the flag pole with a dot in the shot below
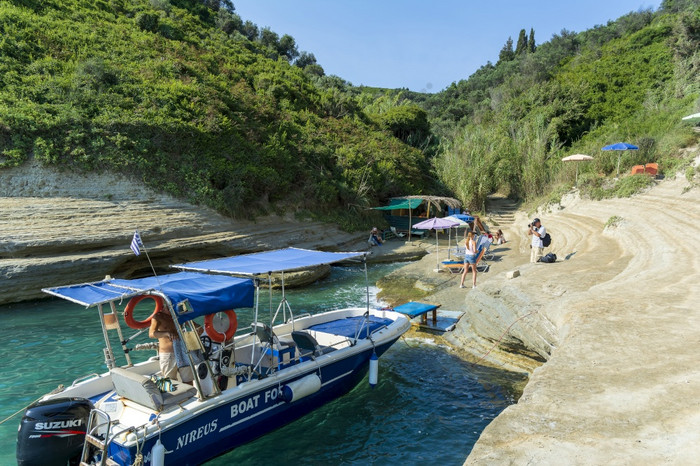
(136, 245)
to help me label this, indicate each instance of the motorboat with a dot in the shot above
(246, 381)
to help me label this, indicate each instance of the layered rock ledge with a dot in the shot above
(608, 334)
(61, 228)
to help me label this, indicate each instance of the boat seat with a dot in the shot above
(308, 345)
(141, 389)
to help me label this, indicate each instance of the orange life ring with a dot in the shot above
(129, 310)
(214, 334)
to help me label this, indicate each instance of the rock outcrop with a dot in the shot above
(61, 228)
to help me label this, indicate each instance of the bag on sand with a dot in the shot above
(548, 258)
(546, 240)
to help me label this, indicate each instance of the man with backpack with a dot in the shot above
(537, 246)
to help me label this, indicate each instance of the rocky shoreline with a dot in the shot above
(62, 228)
(607, 334)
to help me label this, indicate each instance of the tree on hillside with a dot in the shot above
(531, 42)
(217, 5)
(228, 22)
(305, 59)
(307, 62)
(250, 30)
(675, 6)
(287, 47)
(521, 47)
(506, 53)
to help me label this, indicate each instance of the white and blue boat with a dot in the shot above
(247, 381)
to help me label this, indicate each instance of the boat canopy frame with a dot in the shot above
(217, 277)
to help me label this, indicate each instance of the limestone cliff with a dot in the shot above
(61, 228)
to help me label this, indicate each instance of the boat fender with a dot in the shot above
(298, 389)
(129, 311)
(373, 370)
(158, 454)
(214, 334)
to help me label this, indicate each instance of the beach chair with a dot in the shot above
(418, 233)
(458, 266)
(453, 266)
(486, 243)
(397, 233)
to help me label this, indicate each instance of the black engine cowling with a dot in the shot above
(52, 432)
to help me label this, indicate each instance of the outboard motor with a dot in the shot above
(52, 432)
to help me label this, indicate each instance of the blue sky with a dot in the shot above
(421, 45)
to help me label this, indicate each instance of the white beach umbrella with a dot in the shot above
(460, 224)
(577, 158)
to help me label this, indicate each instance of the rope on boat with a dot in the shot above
(55, 390)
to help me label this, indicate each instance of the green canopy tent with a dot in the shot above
(402, 203)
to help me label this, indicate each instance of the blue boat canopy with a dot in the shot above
(206, 294)
(280, 260)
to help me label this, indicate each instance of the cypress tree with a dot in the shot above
(531, 41)
(521, 48)
(506, 53)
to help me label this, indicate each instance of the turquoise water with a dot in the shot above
(429, 405)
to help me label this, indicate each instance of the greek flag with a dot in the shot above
(136, 243)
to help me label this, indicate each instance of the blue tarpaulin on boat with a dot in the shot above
(349, 326)
(281, 260)
(91, 294)
(206, 293)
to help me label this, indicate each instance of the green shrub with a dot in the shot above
(690, 173)
(613, 222)
(629, 185)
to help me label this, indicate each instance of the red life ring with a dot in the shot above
(214, 334)
(129, 310)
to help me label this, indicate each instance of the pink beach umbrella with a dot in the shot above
(435, 224)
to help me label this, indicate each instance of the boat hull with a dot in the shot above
(248, 417)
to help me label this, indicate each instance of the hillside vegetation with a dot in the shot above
(195, 102)
(508, 126)
(198, 103)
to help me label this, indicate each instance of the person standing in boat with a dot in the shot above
(172, 353)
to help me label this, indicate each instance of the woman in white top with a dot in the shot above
(470, 257)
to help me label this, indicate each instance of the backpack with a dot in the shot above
(549, 258)
(546, 240)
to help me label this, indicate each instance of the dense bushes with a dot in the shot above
(508, 126)
(172, 93)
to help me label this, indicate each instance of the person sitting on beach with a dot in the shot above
(470, 257)
(499, 238)
(172, 354)
(375, 238)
